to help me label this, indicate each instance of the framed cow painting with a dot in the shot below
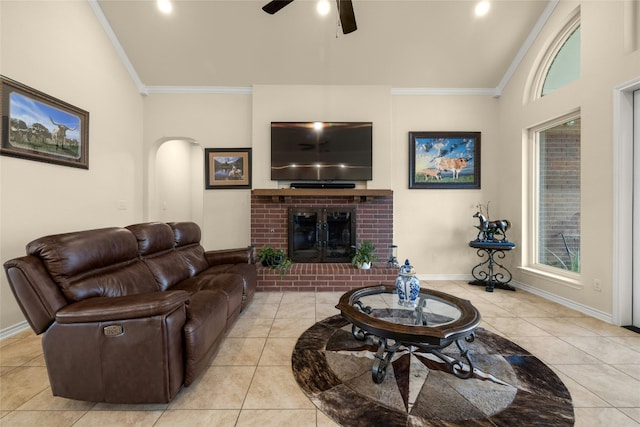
(448, 160)
(37, 126)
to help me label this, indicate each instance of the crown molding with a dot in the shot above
(533, 35)
(231, 90)
(435, 91)
(104, 22)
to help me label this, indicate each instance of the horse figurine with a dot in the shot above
(488, 229)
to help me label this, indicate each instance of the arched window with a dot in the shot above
(561, 63)
(565, 66)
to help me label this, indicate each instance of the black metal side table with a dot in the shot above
(490, 273)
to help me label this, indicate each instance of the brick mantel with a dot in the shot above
(269, 226)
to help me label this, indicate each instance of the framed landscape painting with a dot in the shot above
(444, 160)
(227, 168)
(36, 126)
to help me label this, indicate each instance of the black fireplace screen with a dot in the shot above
(321, 234)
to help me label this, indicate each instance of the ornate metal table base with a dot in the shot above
(461, 367)
(437, 321)
(485, 273)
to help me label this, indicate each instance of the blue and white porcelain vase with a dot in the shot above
(407, 286)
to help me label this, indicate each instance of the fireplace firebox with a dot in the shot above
(321, 234)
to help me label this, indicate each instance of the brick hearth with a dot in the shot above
(323, 277)
(374, 221)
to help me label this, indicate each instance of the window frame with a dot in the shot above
(531, 253)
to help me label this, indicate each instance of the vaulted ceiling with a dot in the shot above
(398, 43)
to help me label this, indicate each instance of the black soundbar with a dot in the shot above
(322, 185)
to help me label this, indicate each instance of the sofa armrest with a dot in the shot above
(231, 256)
(38, 296)
(105, 309)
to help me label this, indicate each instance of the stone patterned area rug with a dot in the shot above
(510, 387)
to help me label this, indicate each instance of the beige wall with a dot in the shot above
(433, 227)
(605, 65)
(209, 121)
(323, 103)
(66, 54)
(424, 219)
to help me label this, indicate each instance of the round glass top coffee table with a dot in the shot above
(438, 320)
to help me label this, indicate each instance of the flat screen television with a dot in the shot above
(321, 151)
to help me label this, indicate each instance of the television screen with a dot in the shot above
(321, 151)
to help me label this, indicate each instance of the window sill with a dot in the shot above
(571, 280)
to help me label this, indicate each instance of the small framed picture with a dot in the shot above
(227, 168)
(448, 160)
(36, 126)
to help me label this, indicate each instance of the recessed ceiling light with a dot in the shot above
(482, 8)
(165, 6)
(323, 7)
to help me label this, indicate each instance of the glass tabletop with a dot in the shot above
(437, 318)
(429, 311)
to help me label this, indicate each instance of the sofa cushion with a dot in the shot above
(187, 242)
(228, 284)
(118, 280)
(246, 271)
(185, 233)
(155, 245)
(152, 237)
(193, 256)
(102, 262)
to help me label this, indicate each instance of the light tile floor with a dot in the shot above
(249, 382)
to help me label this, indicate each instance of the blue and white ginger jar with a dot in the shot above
(407, 286)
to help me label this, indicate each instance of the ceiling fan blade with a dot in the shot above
(347, 17)
(275, 5)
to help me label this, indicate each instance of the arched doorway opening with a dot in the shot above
(175, 188)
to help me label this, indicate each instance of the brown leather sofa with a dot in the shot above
(130, 315)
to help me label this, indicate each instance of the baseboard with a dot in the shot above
(14, 330)
(465, 277)
(605, 317)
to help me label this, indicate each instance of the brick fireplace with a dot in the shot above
(374, 222)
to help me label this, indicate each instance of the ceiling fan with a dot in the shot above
(345, 10)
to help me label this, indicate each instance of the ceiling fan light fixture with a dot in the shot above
(165, 6)
(345, 12)
(323, 7)
(482, 8)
